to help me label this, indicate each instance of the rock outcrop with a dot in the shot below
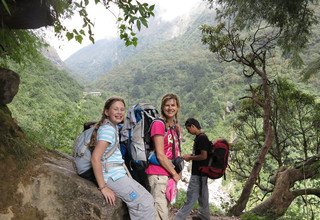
(36, 183)
(51, 190)
(9, 85)
(31, 14)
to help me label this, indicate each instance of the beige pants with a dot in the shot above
(158, 186)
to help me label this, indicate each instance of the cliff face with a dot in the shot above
(36, 183)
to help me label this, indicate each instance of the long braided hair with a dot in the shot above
(107, 105)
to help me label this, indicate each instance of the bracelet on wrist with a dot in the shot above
(101, 188)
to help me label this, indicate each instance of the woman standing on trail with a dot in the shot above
(110, 172)
(165, 135)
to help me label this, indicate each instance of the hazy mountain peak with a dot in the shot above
(96, 60)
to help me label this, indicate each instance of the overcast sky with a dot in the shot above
(106, 27)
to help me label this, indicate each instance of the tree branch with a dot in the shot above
(308, 191)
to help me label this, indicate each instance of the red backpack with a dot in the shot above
(218, 160)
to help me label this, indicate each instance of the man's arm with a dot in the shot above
(202, 156)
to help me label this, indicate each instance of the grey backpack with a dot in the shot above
(82, 154)
(81, 151)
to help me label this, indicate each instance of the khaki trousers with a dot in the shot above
(158, 185)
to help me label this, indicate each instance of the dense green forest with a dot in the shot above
(171, 64)
(47, 104)
(51, 108)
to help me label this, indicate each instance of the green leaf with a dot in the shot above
(57, 28)
(138, 25)
(132, 19)
(126, 11)
(135, 41)
(79, 38)
(6, 6)
(91, 39)
(144, 22)
(151, 8)
(141, 11)
(122, 27)
(82, 32)
(128, 42)
(75, 31)
(69, 35)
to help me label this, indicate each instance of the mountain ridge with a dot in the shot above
(94, 61)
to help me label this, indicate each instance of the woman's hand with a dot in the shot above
(176, 177)
(109, 195)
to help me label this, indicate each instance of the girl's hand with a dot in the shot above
(109, 195)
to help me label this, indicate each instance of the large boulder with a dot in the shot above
(36, 183)
(9, 85)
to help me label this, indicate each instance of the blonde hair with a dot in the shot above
(107, 106)
(166, 98)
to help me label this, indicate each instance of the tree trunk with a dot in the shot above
(281, 198)
(242, 201)
(238, 208)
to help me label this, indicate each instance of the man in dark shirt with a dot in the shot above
(198, 184)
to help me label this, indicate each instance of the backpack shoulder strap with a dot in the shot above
(112, 150)
(177, 131)
(159, 119)
(116, 144)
